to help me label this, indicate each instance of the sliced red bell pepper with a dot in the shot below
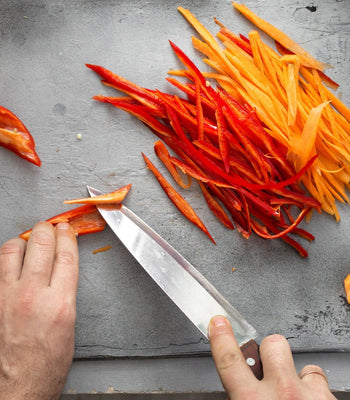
(15, 137)
(115, 197)
(163, 154)
(181, 204)
(84, 220)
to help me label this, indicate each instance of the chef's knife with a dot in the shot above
(188, 289)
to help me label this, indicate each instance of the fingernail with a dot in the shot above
(63, 225)
(217, 321)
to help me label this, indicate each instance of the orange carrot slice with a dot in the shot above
(281, 37)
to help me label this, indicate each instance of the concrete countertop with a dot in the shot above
(121, 313)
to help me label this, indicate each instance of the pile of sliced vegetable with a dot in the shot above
(243, 172)
(288, 90)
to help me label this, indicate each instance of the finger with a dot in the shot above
(38, 260)
(313, 375)
(277, 358)
(230, 363)
(66, 265)
(11, 259)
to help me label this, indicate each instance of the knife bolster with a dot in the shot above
(250, 352)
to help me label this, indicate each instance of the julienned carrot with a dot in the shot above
(276, 34)
(177, 199)
(347, 287)
(115, 197)
(291, 100)
(102, 249)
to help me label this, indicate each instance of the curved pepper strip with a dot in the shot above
(177, 199)
(15, 137)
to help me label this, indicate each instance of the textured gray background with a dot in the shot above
(121, 312)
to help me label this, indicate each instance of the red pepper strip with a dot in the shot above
(186, 169)
(15, 137)
(290, 228)
(139, 113)
(208, 105)
(177, 199)
(200, 121)
(223, 145)
(194, 71)
(215, 207)
(237, 162)
(126, 86)
(115, 197)
(164, 156)
(252, 124)
(84, 220)
(238, 40)
(231, 112)
(154, 111)
(233, 179)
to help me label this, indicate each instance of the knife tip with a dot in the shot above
(92, 191)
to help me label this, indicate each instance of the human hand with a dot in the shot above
(280, 381)
(38, 285)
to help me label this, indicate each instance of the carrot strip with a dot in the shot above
(347, 287)
(102, 249)
(280, 37)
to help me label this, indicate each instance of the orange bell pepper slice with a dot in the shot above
(115, 197)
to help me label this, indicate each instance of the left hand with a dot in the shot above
(38, 285)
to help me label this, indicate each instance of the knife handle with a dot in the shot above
(250, 352)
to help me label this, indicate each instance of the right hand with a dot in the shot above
(280, 381)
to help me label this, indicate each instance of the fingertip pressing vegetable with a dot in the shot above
(115, 197)
(15, 137)
(84, 220)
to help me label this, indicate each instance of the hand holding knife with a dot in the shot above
(188, 289)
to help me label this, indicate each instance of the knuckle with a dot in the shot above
(25, 300)
(65, 257)
(289, 390)
(10, 247)
(227, 360)
(42, 239)
(65, 313)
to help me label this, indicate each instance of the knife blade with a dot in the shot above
(196, 297)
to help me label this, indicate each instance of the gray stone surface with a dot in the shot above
(121, 312)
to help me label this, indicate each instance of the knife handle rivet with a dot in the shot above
(250, 361)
